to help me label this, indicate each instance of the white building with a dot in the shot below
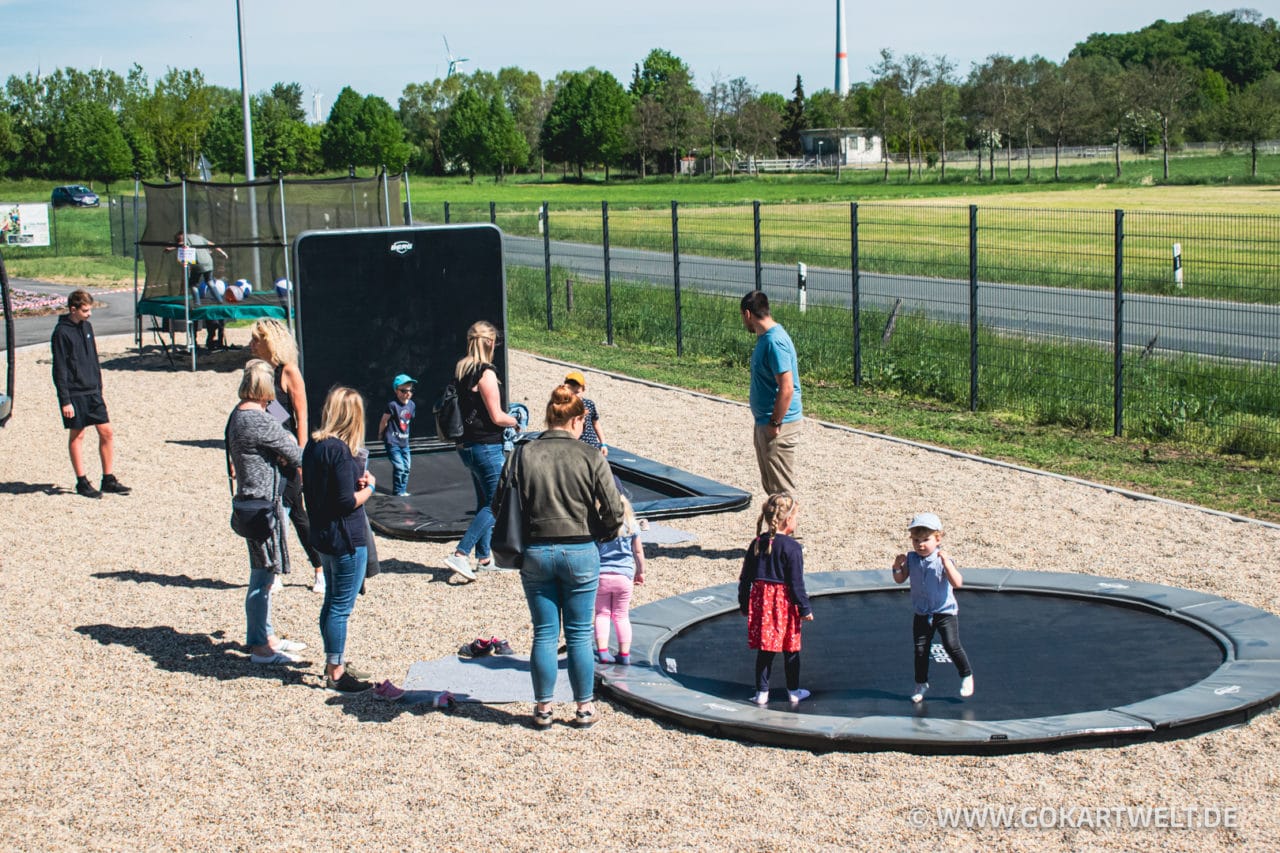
(850, 146)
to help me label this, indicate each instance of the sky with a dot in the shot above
(378, 46)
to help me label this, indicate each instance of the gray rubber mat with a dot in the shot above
(491, 679)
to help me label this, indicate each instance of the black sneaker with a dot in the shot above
(113, 486)
(347, 684)
(86, 489)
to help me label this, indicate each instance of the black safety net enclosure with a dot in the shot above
(253, 223)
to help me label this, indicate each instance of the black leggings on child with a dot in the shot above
(764, 667)
(948, 627)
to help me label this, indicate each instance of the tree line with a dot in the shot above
(1209, 77)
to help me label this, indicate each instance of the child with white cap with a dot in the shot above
(394, 429)
(933, 577)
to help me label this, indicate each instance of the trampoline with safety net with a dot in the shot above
(253, 223)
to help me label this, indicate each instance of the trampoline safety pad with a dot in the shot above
(1059, 660)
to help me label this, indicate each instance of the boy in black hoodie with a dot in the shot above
(77, 377)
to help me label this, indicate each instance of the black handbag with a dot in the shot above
(253, 518)
(510, 528)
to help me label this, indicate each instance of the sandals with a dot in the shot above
(541, 719)
(480, 647)
(585, 719)
(477, 648)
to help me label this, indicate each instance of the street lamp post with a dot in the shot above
(819, 153)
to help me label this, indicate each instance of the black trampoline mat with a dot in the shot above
(1032, 655)
(442, 499)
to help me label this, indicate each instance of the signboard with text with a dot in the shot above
(24, 224)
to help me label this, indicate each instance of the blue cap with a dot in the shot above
(927, 520)
(403, 379)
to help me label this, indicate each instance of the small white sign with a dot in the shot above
(186, 255)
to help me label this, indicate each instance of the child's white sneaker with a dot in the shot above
(917, 695)
(762, 698)
(966, 686)
(797, 696)
(318, 586)
(277, 583)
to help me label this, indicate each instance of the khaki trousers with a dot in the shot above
(776, 456)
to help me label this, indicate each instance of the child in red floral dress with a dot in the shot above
(771, 595)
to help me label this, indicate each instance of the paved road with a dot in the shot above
(1195, 326)
(115, 317)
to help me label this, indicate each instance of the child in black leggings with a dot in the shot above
(771, 595)
(933, 575)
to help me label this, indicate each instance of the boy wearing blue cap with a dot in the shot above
(933, 576)
(394, 429)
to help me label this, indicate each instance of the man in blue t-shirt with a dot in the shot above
(775, 395)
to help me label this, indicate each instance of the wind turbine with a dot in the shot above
(453, 63)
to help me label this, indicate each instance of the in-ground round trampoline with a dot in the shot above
(1059, 660)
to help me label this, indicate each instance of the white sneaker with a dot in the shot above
(762, 699)
(918, 694)
(290, 645)
(318, 586)
(798, 696)
(277, 584)
(460, 565)
(275, 657)
(966, 686)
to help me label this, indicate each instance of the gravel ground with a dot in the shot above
(133, 719)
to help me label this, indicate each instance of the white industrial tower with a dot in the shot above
(842, 53)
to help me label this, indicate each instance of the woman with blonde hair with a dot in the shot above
(337, 486)
(256, 447)
(271, 341)
(570, 501)
(481, 445)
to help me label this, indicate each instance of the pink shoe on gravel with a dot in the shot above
(388, 691)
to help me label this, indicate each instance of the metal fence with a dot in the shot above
(1136, 323)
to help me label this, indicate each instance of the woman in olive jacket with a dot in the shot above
(570, 500)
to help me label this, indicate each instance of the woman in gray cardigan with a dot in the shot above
(257, 446)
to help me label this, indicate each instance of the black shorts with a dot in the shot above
(88, 411)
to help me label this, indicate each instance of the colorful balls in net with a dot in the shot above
(239, 291)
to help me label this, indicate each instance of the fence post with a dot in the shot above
(608, 276)
(1118, 298)
(973, 308)
(755, 218)
(546, 261)
(446, 213)
(493, 213)
(675, 270)
(854, 300)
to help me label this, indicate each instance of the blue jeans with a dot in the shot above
(343, 575)
(401, 461)
(257, 607)
(484, 461)
(561, 579)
